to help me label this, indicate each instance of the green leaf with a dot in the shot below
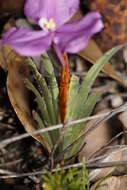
(45, 91)
(73, 91)
(82, 104)
(49, 101)
(40, 123)
(80, 128)
(90, 78)
(49, 73)
(40, 102)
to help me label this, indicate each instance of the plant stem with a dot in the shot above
(59, 54)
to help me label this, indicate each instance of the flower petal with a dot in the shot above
(27, 42)
(35, 9)
(60, 10)
(64, 10)
(73, 37)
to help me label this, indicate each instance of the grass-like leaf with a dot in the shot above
(40, 101)
(40, 123)
(80, 102)
(50, 75)
(78, 129)
(83, 103)
(89, 79)
(48, 99)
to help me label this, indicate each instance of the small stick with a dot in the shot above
(106, 116)
(78, 165)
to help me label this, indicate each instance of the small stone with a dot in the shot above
(116, 101)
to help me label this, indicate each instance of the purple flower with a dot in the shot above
(52, 17)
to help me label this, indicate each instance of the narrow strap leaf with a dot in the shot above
(40, 102)
(73, 91)
(90, 78)
(45, 91)
(49, 72)
(40, 123)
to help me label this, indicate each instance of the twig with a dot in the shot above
(102, 148)
(106, 116)
(11, 163)
(2, 171)
(119, 149)
(95, 126)
(78, 165)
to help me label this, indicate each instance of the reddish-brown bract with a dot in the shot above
(64, 88)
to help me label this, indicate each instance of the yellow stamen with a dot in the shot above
(50, 24)
(47, 24)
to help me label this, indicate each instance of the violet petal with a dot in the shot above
(74, 36)
(60, 10)
(27, 42)
(36, 9)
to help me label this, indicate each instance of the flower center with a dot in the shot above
(47, 24)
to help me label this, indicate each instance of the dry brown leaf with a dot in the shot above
(93, 142)
(123, 119)
(123, 182)
(112, 156)
(108, 184)
(18, 71)
(111, 183)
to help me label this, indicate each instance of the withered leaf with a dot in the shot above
(111, 183)
(18, 70)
